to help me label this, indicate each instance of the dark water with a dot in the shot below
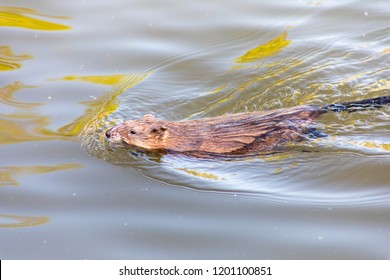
(70, 70)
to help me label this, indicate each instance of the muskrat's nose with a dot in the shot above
(108, 133)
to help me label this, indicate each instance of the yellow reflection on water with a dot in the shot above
(373, 145)
(21, 221)
(97, 110)
(8, 173)
(10, 61)
(372, 87)
(277, 157)
(265, 50)
(21, 18)
(201, 174)
(27, 127)
(216, 90)
(24, 125)
(109, 80)
(277, 70)
(7, 96)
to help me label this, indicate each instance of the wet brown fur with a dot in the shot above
(235, 134)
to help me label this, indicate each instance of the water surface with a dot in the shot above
(69, 71)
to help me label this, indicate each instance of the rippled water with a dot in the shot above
(69, 71)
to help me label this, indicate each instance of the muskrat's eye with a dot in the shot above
(133, 132)
(154, 130)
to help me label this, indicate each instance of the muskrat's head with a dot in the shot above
(148, 133)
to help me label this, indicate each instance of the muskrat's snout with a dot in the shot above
(114, 135)
(108, 133)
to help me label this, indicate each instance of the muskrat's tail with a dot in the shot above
(371, 103)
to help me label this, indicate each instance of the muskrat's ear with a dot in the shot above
(159, 129)
(149, 117)
(159, 132)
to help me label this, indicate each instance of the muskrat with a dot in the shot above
(229, 135)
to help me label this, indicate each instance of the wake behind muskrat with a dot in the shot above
(229, 135)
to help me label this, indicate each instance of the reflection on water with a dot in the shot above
(7, 96)
(33, 127)
(15, 221)
(94, 118)
(203, 59)
(22, 18)
(200, 174)
(8, 173)
(108, 80)
(10, 61)
(268, 49)
(26, 124)
(27, 127)
(15, 134)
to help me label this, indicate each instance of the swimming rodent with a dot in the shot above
(228, 135)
